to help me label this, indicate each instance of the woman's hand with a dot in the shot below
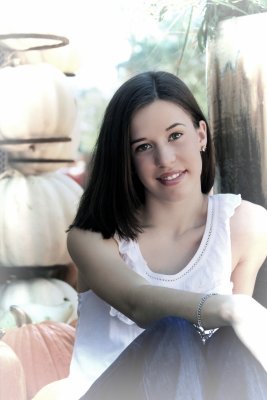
(249, 321)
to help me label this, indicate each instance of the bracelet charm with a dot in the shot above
(204, 334)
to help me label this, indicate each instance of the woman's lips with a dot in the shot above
(171, 178)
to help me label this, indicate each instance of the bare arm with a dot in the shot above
(249, 245)
(248, 317)
(98, 261)
(110, 278)
(103, 270)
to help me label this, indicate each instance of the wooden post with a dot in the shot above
(237, 102)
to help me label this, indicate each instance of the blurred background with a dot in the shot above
(113, 40)
(60, 63)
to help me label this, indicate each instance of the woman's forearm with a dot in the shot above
(152, 303)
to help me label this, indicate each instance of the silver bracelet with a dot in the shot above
(204, 334)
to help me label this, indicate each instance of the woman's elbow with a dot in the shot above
(140, 312)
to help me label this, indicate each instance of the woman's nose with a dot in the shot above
(165, 156)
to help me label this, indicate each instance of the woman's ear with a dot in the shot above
(202, 134)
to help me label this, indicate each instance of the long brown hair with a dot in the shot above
(114, 193)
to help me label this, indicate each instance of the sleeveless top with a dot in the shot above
(102, 332)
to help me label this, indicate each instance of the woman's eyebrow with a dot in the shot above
(137, 140)
(174, 125)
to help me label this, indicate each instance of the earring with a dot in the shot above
(203, 148)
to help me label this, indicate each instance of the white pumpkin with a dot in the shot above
(36, 101)
(65, 58)
(38, 313)
(41, 298)
(35, 212)
(53, 151)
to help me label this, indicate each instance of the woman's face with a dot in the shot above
(165, 148)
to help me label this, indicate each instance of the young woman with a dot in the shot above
(163, 263)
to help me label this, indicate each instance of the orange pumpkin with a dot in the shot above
(44, 351)
(12, 378)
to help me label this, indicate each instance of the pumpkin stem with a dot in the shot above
(20, 315)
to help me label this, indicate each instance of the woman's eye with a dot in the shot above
(143, 147)
(174, 136)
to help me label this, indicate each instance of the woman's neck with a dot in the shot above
(177, 217)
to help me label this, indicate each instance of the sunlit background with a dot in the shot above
(112, 41)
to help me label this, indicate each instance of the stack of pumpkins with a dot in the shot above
(39, 134)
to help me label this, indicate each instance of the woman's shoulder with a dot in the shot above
(90, 252)
(249, 244)
(77, 237)
(246, 216)
(81, 241)
(250, 217)
(76, 233)
(249, 229)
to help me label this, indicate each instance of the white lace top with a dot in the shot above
(103, 332)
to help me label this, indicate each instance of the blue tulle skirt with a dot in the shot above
(169, 362)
